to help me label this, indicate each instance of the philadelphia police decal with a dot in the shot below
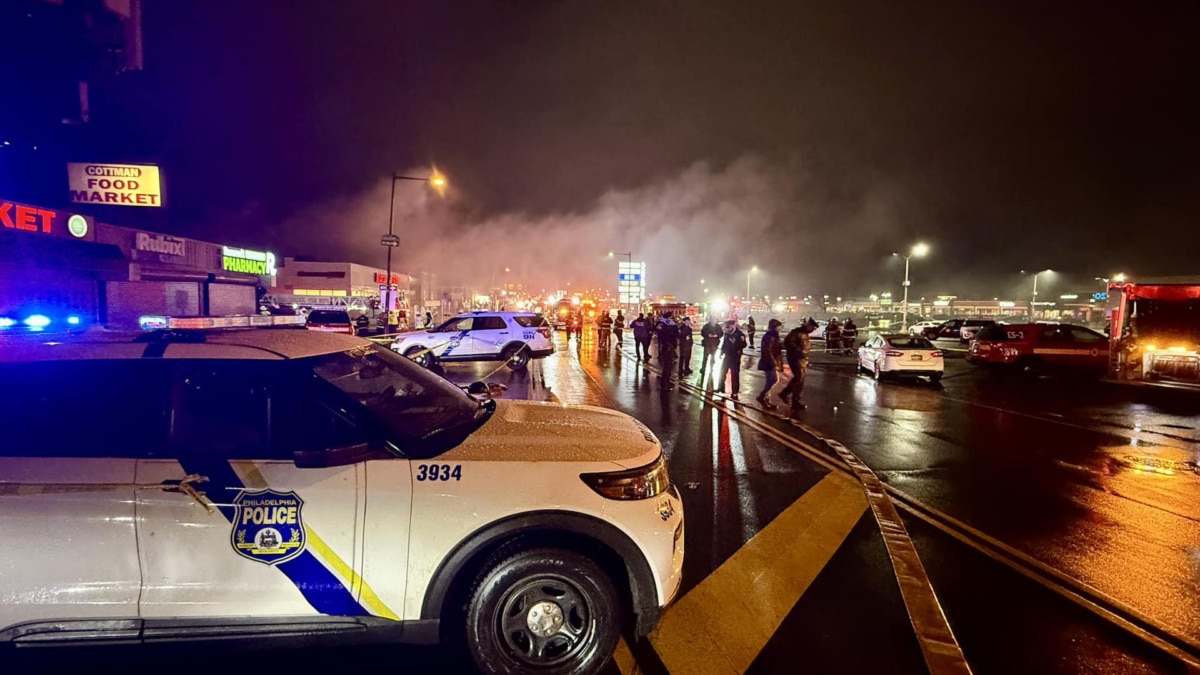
(268, 526)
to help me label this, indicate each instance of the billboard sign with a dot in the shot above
(114, 184)
(631, 282)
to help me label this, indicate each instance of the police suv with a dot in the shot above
(183, 484)
(512, 337)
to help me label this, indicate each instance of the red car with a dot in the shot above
(1040, 346)
(330, 321)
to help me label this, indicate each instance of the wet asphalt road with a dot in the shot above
(1046, 466)
(1061, 469)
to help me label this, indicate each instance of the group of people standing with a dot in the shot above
(723, 346)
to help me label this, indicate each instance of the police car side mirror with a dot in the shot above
(350, 454)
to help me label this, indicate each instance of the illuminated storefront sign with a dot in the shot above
(246, 261)
(160, 243)
(18, 217)
(380, 278)
(116, 184)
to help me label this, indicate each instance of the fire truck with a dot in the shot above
(1154, 331)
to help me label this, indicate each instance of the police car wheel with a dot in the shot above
(419, 356)
(516, 357)
(543, 610)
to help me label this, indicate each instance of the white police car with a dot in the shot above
(512, 337)
(214, 484)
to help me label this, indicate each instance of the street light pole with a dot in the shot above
(629, 257)
(753, 268)
(1033, 302)
(918, 251)
(438, 181)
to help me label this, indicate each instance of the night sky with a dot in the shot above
(811, 139)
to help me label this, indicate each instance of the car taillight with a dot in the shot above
(644, 482)
(893, 353)
(937, 353)
(545, 332)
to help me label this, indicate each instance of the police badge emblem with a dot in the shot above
(268, 526)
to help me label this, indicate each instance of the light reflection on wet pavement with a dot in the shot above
(1094, 480)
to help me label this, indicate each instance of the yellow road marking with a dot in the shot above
(623, 657)
(722, 624)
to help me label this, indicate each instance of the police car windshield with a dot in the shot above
(424, 413)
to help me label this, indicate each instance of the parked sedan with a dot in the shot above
(885, 355)
(920, 327)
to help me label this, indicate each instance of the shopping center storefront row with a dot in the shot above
(67, 267)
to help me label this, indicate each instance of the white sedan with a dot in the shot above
(919, 327)
(901, 355)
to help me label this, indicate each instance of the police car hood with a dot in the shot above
(524, 431)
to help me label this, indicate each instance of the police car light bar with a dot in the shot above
(211, 322)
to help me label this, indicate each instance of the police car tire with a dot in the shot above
(516, 357)
(505, 574)
(425, 360)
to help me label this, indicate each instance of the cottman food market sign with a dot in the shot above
(115, 184)
(247, 262)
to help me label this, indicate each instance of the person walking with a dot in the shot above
(428, 320)
(606, 324)
(619, 328)
(750, 329)
(641, 337)
(732, 347)
(798, 344)
(685, 346)
(710, 339)
(770, 361)
(667, 332)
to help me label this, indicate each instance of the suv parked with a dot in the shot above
(1035, 347)
(512, 337)
(267, 482)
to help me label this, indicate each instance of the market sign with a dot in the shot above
(246, 261)
(160, 243)
(115, 184)
(37, 220)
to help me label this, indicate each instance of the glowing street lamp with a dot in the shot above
(1033, 302)
(391, 241)
(918, 251)
(753, 268)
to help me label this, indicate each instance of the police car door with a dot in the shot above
(455, 340)
(488, 335)
(250, 533)
(68, 548)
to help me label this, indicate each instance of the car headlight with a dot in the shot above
(643, 482)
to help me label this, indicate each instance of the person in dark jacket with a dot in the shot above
(731, 358)
(710, 339)
(606, 324)
(641, 337)
(798, 344)
(667, 333)
(849, 336)
(685, 346)
(770, 361)
(619, 327)
(750, 330)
